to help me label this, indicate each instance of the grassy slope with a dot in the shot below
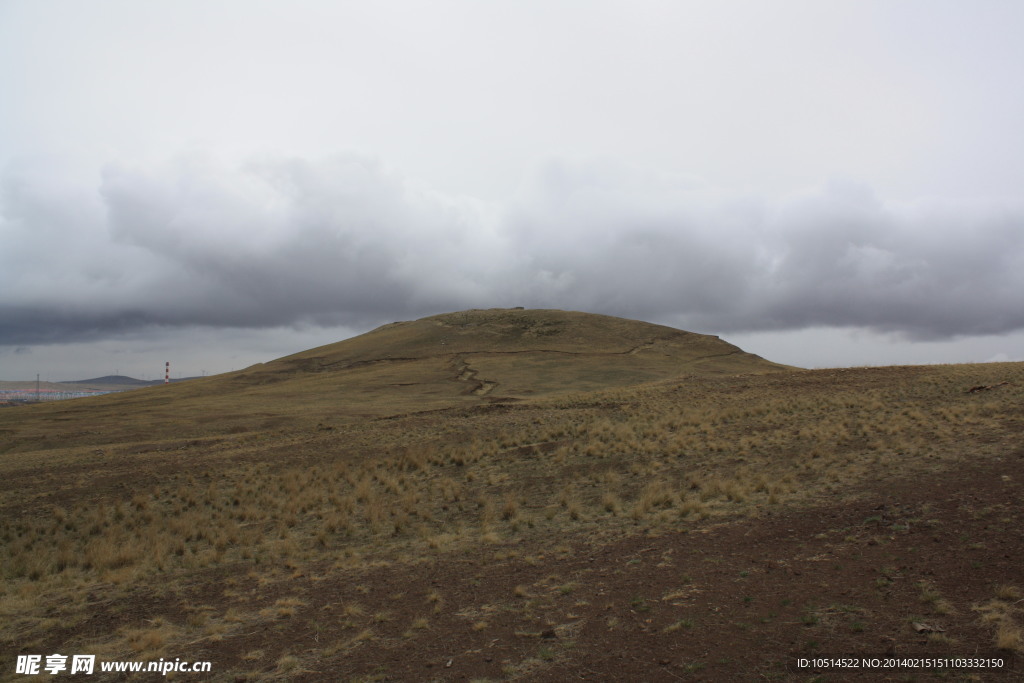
(252, 521)
(399, 368)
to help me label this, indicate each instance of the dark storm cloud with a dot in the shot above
(275, 242)
(837, 256)
(285, 241)
(931, 270)
(270, 244)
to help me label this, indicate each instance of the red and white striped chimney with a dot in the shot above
(167, 372)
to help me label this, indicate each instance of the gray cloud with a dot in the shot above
(285, 241)
(834, 256)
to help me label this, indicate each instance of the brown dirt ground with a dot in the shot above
(739, 599)
(747, 598)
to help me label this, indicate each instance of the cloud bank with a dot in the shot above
(287, 241)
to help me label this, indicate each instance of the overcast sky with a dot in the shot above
(221, 183)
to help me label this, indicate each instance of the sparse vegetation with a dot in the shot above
(239, 477)
(1004, 614)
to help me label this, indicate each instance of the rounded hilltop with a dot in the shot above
(520, 352)
(510, 330)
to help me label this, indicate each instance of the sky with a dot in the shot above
(217, 184)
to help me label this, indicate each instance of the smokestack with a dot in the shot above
(167, 372)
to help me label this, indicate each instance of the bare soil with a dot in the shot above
(742, 599)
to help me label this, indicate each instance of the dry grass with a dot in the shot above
(150, 641)
(1004, 614)
(116, 492)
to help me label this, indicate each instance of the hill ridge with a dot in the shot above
(541, 329)
(513, 354)
(122, 380)
(451, 360)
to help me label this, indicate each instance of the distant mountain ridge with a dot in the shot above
(120, 380)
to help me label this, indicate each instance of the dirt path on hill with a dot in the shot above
(481, 387)
(468, 374)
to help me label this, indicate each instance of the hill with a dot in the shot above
(525, 331)
(116, 380)
(435, 363)
(120, 382)
(367, 511)
(514, 353)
